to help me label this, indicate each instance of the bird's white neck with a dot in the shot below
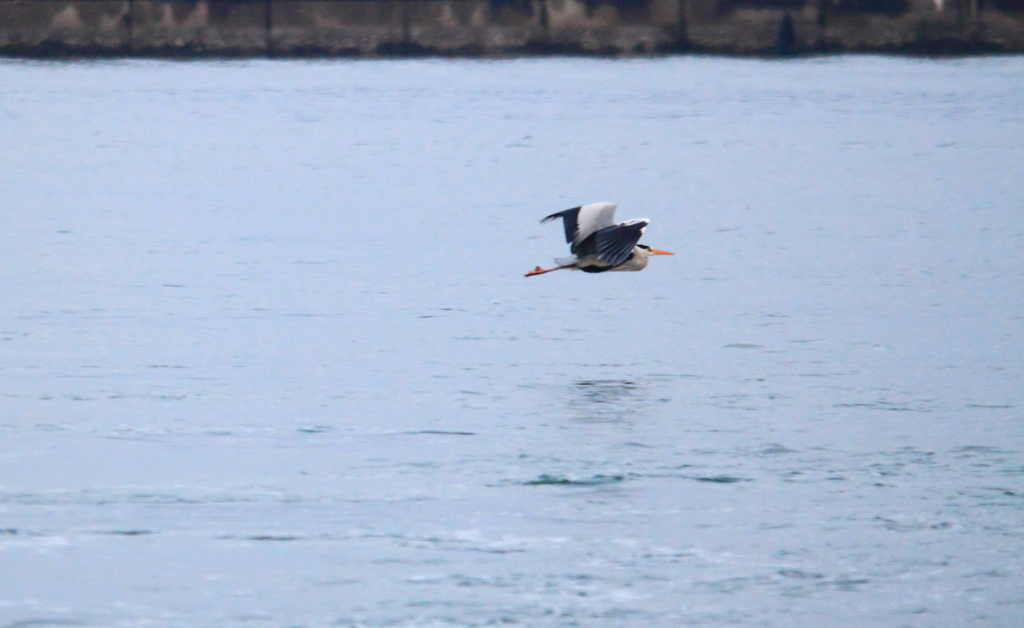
(637, 262)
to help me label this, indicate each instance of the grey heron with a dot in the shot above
(599, 244)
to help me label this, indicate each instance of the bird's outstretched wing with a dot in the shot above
(582, 222)
(615, 243)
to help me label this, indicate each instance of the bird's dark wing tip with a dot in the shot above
(561, 214)
(571, 220)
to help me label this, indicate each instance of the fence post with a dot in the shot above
(268, 11)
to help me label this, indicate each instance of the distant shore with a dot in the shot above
(256, 28)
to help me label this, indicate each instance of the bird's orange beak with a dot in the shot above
(659, 252)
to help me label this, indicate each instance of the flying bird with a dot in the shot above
(599, 244)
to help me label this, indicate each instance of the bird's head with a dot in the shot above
(648, 251)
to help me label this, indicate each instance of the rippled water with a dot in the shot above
(267, 356)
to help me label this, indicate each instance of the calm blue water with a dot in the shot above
(268, 357)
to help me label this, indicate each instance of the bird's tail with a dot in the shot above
(566, 261)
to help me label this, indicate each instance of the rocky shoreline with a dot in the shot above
(253, 28)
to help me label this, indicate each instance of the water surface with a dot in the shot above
(267, 356)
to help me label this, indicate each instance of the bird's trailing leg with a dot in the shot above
(541, 271)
